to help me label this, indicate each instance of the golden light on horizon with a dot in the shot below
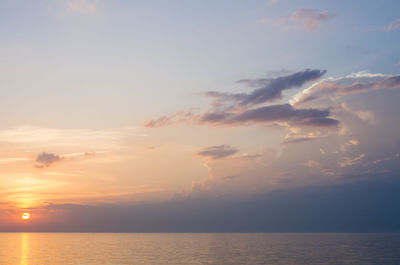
(26, 216)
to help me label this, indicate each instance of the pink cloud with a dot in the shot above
(307, 19)
(392, 26)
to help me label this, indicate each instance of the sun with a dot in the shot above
(25, 216)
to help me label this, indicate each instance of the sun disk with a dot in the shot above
(26, 216)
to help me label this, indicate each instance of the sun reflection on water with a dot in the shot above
(24, 248)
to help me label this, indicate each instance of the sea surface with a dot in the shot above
(132, 248)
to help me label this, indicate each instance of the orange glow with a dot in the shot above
(25, 216)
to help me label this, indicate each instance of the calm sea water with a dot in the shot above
(70, 248)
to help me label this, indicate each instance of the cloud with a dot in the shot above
(218, 151)
(364, 115)
(351, 142)
(390, 82)
(392, 26)
(230, 177)
(310, 18)
(47, 159)
(270, 89)
(229, 109)
(13, 159)
(248, 156)
(312, 164)
(82, 6)
(351, 161)
(307, 19)
(178, 117)
(37, 137)
(295, 138)
(89, 154)
(333, 208)
(354, 142)
(201, 186)
(352, 84)
(377, 161)
(270, 114)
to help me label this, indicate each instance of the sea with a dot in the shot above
(164, 248)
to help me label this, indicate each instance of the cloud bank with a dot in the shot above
(339, 210)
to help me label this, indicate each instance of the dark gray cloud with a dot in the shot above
(298, 140)
(274, 113)
(268, 114)
(230, 177)
(218, 151)
(241, 108)
(270, 89)
(46, 159)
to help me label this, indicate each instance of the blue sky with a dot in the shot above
(122, 102)
(133, 50)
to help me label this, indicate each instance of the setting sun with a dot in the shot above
(25, 216)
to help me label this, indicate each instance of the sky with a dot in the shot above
(200, 116)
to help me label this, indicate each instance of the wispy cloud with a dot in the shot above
(310, 18)
(392, 26)
(348, 161)
(246, 156)
(312, 164)
(377, 161)
(269, 89)
(218, 151)
(307, 19)
(82, 6)
(352, 84)
(178, 117)
(275, 113)
(365, 115)
(89, 139)
(349, 143)
(293, 138)
(230, 177)
(13, 159)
